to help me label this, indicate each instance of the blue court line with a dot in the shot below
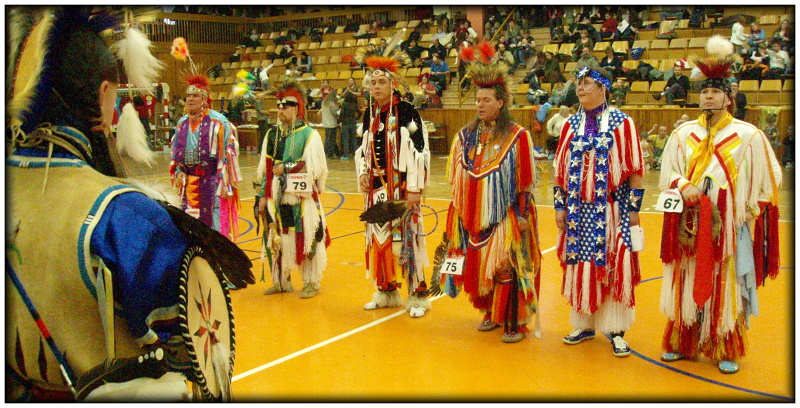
(338, 206)
(698, 377)
(249, 227)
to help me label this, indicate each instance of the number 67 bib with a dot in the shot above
(298, 183)
(670, 201)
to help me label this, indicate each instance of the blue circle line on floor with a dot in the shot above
(341, 201)
(699, 377)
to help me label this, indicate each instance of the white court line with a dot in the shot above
(333, 339)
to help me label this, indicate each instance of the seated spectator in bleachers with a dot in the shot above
(490, 27)
(352, 25)
(291, 71)
(609, 26)
(611, 63)
(414, 52)
(778, 61)
(370, 32)
(512, 30)
(506, 56)
(329, 26)
(785, 34)
(625, 31)
(536, 95)
(381, 46)
(439, 72)
(552, 70)
(677, 86)
(304, 62)
(740, 101)
(563, 94)
(438, 48)
(251, 40)
(756, 65)
(430, 92)
(583, 42)
(619, 91)
(673, 13)
(585, 58)
(697, 17)
(237, 54)
(738, 36)
(757, 36)
(461, 32)
(315, 34)
(524, 49)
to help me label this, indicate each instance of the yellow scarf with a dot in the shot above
(701, 157)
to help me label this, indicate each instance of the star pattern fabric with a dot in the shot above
(586, 221)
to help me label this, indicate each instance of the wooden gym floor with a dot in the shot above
(328, 348)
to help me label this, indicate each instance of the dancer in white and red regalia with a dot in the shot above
(598, 169)
(729, 179)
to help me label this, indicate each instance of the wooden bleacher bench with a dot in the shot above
(770, 92)
(638, 93)
(787, 94)
(658, 49)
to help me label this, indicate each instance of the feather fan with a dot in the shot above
(227, 259)
(384, 212)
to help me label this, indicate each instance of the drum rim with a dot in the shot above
(198, 377)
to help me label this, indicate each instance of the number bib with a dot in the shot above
(670, 201)
(452, 265)
(298, 183)
(379, 195)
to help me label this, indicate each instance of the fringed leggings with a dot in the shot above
(685, 340)
(506, 303)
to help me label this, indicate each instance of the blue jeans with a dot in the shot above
(349, 140)
(331, 144)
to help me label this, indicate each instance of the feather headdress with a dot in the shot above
(291, 88)
(141, 67)
(714, 69)
(484, 70)
(59, 62)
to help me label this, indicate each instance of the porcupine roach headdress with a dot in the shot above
(485, 71)
(714, 69)
(292, 89)
(387, 63)
(60, 57)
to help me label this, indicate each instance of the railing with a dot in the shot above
(197, 28)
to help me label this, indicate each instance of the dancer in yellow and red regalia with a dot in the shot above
(729, 179)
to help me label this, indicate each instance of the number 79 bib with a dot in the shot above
(298, 183)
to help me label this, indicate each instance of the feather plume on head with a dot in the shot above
(292, 89)
(484, 71)
(141, 67)
(714, 69)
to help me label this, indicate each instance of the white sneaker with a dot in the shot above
(416, 311)
(371, 305)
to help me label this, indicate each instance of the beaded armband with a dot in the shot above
(635, 201)
(559, 198)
